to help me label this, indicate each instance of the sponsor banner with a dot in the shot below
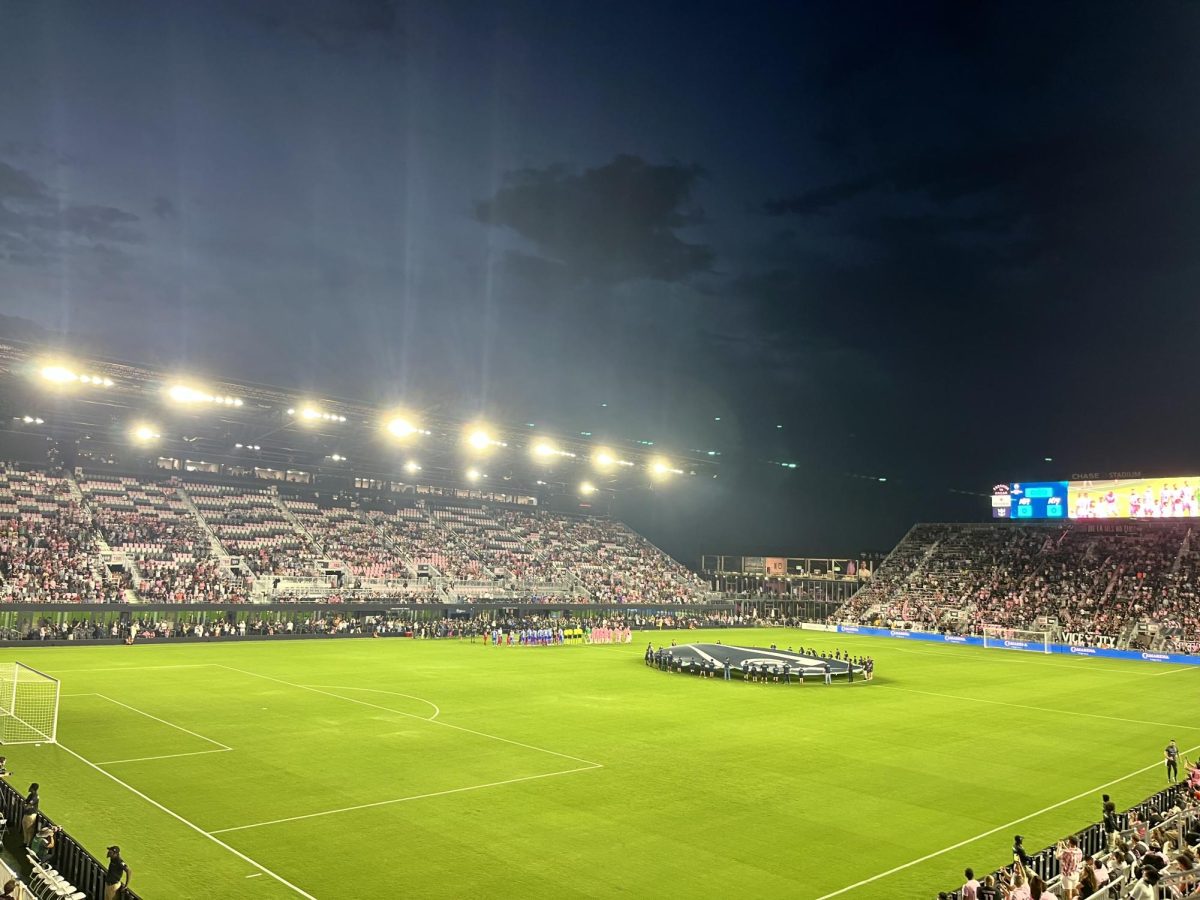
(776, 565)
(1182, 659)
(818, 626)
(753, 565)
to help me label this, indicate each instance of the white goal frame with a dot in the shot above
(28, 705)
(1002, 637)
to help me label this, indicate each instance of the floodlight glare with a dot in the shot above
(412, 467)
(604, 459)
(144, 434)
(474, 474)
(587, 488)
(401, 427)
(58, 374)
(182, 393)
(660, 467)
(479, 439)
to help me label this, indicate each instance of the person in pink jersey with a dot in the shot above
(1069, 859)
(970, 888)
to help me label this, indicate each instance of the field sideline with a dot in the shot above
(329, 769)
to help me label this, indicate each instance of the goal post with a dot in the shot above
(1004, 638)
(28, 705)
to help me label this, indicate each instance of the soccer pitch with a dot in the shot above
(393, 767)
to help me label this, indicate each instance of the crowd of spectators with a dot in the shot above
(1150, 852)
(1094, 584)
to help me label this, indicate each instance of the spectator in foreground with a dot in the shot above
(29, 813)
(970, 887)
(117, 870)
(1145, 888)
(10, 890)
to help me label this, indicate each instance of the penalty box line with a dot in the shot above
(377, 803)
(193, 826)
(1007, 825)
(587, 763)
(219, 747)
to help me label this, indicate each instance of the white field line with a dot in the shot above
(990, 832)
(165, 722)
(133, 668)
(191, 825)
(1061, 712)
(113, 762)
(460, 790)
(78, 695)
(586, 762)
(333, 687)
(1029, 657)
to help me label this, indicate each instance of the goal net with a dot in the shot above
(28, 705)
(1016, 639)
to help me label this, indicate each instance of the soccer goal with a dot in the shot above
(28, 705)
(1016, 639)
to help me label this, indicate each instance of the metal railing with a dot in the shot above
(69, 858)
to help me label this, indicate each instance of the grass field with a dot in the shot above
(385, 768)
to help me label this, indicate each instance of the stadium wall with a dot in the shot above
(971, 641)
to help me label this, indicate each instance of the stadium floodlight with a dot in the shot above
(605, 459)
(187, 395)
(481, 440)
(62, 375)
(310, 414)
(545, 450)
(402, 427)
(587, 488)
(144, 434)
(412, 467)
(474, 475)
(660, 467)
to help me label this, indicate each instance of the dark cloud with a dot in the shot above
(164, 208)
(343, 28)
(614, 223)
(37, 228)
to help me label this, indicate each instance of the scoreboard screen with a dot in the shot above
(1030, 500)
(1126, 498)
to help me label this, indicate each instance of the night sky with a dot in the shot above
(937, 243)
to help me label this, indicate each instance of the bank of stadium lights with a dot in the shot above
(187, 395)
(403, 427)
(546, 451)
(412, 467)
(587, 488)
(311, 414)
(660, 468)
(605, 460)
(247, 446)
(481, 440)
(30, 420)
(55, 374)
(144, 434)
(337, 457)
(474, 475)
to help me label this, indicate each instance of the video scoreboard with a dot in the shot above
(1113, 498)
